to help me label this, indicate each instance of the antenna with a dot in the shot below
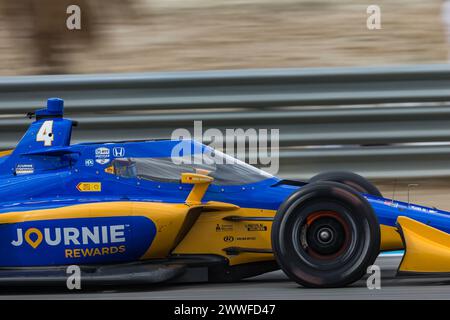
(393, 190)
(411, 185)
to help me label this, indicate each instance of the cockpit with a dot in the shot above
(224, 169)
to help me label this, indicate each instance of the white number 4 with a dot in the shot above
(45, 133)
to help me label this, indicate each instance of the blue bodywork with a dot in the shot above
(36, 176)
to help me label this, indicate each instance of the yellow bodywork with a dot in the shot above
(427, 249)
(390, 238)
(211, 235)
(5, 153)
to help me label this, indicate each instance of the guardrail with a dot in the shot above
(305, 104)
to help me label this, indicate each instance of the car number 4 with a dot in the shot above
(45, 133)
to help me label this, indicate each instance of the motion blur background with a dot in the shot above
(163, 35)
(120, 36)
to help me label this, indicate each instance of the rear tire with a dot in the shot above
(325, 235)
(351, 179)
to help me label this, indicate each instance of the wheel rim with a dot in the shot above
(325, 253)
(326, 235)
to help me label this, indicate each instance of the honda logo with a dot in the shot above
(119, 152)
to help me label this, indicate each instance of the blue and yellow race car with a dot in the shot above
(176, 210)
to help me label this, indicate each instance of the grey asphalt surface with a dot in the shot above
(274, 285)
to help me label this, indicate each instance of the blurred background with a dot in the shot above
(397, 145)
(162, 35)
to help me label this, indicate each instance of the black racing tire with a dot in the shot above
(306, 254)
(351, 179)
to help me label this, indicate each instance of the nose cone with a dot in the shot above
(55, 105)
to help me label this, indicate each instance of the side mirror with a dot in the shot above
(201, 183)
(195, 178)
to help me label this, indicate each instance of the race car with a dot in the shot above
(179, 211)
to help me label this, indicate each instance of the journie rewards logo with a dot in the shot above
(97, 240)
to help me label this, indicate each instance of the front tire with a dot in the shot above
(325, 235)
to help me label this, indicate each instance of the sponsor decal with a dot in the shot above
(73, 241)
(119, 152)
(102, 155)
(70, 235)
(391, 203)
(89, 187)
(228, 238)
(102, 161)
(89, 162)
(246, 238)
(24, 169)
(224, 227)
(256, 227)
(426, 210)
